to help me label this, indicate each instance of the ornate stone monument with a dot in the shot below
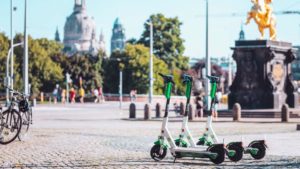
(264, 78)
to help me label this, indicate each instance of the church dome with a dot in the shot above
(80, 29)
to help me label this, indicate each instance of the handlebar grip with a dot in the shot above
(167, 78)
(187, 78)
(213, 79)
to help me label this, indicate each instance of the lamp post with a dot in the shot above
(151, 64)
(25, 61)
(8, 79)
(208, 62)
(11, 45)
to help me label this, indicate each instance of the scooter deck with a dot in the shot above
(194, 152)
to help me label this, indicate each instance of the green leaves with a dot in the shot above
(135, 59)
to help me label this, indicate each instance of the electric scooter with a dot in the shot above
(215, 152)
(257, 148)
(234, 150)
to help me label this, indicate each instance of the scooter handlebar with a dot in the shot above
(213, 79)
(167, 78)
(187, 78)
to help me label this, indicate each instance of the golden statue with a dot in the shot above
(262, 13)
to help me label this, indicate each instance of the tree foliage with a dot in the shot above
(134, 62)
(82, 66)
(168, 44)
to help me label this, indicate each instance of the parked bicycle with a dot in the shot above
(15, 121)
(11, 121)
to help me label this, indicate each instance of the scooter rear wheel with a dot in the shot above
(261, 151)
(239, 151)
(158, 153)
(221, 154)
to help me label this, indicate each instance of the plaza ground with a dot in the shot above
(99, 136)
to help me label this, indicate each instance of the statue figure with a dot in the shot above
(262, 13)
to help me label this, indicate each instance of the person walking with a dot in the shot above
(101, 95)
(55, 94)
(63, 96)
(96, 95)
(72, 95)
(199, 107)
(81, 94)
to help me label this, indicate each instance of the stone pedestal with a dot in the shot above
(263, 78)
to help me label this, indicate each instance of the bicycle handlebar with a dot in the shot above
(17, 92)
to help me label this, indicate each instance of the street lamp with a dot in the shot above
(208, 62)
(9, 79)
(25, 61)
(11, 44)
(151, 63)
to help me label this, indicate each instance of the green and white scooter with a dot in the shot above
(257, 148)
(215, 152)
(234, 150)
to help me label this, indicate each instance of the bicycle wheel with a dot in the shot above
(26, 121)
(10, 126)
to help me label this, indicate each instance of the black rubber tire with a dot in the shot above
(221, 154)
(200, 143)
(156, 154)
(26, 121)
(17, 119)
(239, 151)
(261, 151)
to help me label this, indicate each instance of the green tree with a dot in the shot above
(44, 74)
(84, 66)
(4, 47)
(134, 62)
(168, 44)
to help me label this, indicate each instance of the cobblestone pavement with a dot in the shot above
(94, 136)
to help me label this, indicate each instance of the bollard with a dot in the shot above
(158, 110)
(298, 127)
(285, 113)
(237, 112)
(147, 112)
(132, 111)
(191, 113)
(181, 108)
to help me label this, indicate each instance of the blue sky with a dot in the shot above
(46, 15)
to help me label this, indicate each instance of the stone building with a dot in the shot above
(80, 32)
(118, 39)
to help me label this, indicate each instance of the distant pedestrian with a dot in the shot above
(101, 95)
(96, 95)
(72, 95)
(199, 107)
(63, 96)
(218, 98)
(55, 93)
(81, 94)
(133, 95)
(59, 92)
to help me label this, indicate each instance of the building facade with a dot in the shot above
(80, 32)
(118, 39)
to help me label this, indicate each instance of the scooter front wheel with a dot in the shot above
(158, 153)
(239, 151)
(261, 151)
